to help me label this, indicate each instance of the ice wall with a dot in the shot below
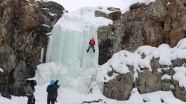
(69, 41)
(69, 45)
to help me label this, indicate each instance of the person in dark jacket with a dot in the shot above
(52, 92)
(29, 92)
(91, 43)
(56, 84)
(33, 84)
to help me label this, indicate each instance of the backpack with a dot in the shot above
(6, 94)
(92, 42)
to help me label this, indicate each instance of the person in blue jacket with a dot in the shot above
(52, 92)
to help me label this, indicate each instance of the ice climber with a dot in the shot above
(91, 43)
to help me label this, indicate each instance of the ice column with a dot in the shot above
(68, 44)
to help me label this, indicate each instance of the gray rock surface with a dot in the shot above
(23, 28)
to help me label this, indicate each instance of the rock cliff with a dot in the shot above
(24, 25)
(162, 21)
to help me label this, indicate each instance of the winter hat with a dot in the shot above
(52, 82)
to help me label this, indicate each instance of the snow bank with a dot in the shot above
(142, 57)
(180, 76)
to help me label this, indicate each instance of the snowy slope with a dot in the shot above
(164, 53)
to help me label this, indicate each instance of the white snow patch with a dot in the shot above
(1, 70)
(166, 76)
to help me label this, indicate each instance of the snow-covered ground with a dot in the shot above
(73, 96)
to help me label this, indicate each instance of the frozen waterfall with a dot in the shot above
(68, 43)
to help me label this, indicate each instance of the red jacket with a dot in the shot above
(92, 42)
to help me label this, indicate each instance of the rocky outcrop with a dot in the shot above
(23, 28)
(162, 21)
(159, 22)
(148, 81)
(120, 87)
